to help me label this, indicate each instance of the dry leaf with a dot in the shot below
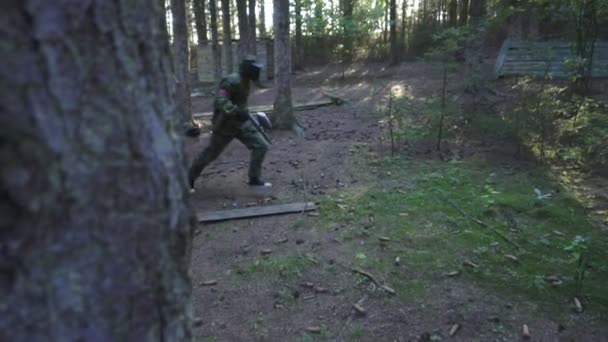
(314, 330)
(388, 289)
(578, 305)
(359, 309)
(470, 264)
(453, 274)
(454, 329)
(525, 331)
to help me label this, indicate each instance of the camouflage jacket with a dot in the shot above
(231, 96)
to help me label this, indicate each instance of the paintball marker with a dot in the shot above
(255, 120)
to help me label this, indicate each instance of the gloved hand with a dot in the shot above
(242, 114)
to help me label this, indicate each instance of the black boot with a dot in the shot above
(258, 182)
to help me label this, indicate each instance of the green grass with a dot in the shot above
(431, 237)
(289, 267)
(357, 332)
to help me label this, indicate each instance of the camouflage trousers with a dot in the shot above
(245, 133)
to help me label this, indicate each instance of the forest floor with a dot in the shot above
(408, 220)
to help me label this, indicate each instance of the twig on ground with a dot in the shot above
(483, 224)
(305, 194)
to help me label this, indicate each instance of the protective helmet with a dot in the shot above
(250, 68)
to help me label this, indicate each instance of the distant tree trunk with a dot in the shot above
(464, 12)
(227, 41)
(283, 117)
(263, 32)
(475, 45)
(252, 27)
(403, 39)
(515, 22)
(385, 31)
(533, 32)
(453, 13)
(180, 46)
(347, 13)
(94, 222)
(162, 4)
(215, 45)
(394, 41)
(201, 21)
(243, 46)
(319, 30)
(298, 39)
(477, 12)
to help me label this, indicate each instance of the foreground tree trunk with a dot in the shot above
(283, 117)
(298, 55)
(393, 25)
(402, 37)
(95, 229)
(262, 19)
(180, 46)
(201, 21)
(463, 8)
(347, 13)
(252, 24)
(453, 13)
(227, 41)
(215, 44)
(475, 46)
(243, 47)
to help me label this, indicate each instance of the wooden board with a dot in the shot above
(540, 58)
(232, 214)
(298, 107)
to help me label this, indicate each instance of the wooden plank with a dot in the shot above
(538, 58)
(268, 109)
(232, 214)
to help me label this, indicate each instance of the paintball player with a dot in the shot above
(231, 119)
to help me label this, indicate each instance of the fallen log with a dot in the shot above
(232, 214)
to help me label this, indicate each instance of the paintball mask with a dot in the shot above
(251, 69)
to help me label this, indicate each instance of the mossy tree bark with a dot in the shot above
(283, 117)
(227, 40)
(95, 229)
(180, 47)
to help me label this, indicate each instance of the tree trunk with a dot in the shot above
(394, 41)
(403, 28)
(298, 39)
(201, 21)
(515, 29)
(347, 12)
(215, 45)
(320, 23)
(162, 4)
(252, 26)
(227, 41)
(453, 13)
(385, 31)
(477, 12)
(243, 47)
(180, 46)
(283, 117)
(475, 45)
(263, 33)
(94, 223)
(464, 12)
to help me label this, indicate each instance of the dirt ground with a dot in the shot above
(286, 301)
